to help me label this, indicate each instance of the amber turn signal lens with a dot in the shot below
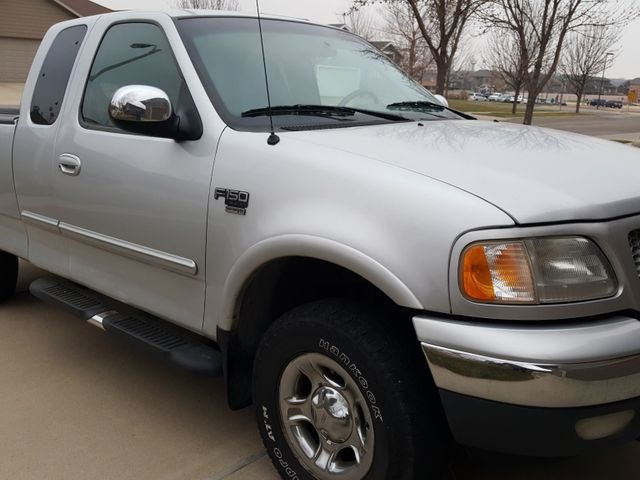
(498, 272)
(476, 278)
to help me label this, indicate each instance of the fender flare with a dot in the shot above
(310, 246)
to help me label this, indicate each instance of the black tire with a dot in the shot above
(411, 440)
(8, 275)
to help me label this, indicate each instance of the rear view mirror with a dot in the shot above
(140, 103)
(442, 100)
(148, 111)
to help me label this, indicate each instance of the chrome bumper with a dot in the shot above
(558, 366)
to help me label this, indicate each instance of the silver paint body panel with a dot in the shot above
(537, 175)
(389, 225)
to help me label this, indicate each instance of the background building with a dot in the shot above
(634, 86)
(23, 23)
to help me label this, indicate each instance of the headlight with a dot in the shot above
(539, 270)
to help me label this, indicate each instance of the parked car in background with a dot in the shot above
(512, 98)
(495, 97)
(613, 104)
(598, 103)
(477, 97)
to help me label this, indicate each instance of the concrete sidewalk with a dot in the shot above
(79, 404)
(631, 138)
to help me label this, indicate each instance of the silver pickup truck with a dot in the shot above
(378, 274)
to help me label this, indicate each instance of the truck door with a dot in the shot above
(134, 207)
(45, 95)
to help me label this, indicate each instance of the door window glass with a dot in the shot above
(130, 54)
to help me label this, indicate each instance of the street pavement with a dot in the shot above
(77, 403)
(606, 123)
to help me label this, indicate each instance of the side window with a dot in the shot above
(130, 54)
(54, 75)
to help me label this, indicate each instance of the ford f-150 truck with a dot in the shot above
(375, 272)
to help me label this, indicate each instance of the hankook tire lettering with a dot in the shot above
(355, 372)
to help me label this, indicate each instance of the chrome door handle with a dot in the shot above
(69, 164)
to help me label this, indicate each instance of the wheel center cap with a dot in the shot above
(332, 414)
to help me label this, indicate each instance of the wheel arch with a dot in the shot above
(281, 273)
(308, 246)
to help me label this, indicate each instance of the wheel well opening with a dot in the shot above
(274, 289)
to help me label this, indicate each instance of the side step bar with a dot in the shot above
(146, 330)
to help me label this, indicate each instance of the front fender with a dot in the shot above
(393, 227)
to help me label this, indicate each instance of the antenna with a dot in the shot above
(273, 138)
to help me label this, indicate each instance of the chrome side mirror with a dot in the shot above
(140, 103)
(442, 100)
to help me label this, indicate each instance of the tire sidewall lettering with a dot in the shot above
(283, 464)
(344, 359)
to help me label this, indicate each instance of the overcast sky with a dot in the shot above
(627, 64)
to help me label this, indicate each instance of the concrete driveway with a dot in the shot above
(78, 404)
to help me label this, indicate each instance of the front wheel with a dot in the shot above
(340, 394)
(8, 275)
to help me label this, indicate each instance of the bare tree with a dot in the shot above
(401, 26)
(506, 56)
(585, 56)
(360, 23)
(441, 23)
(209, 4)
(550, 22)
(459, 71)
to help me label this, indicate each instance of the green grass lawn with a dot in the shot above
(503, 110)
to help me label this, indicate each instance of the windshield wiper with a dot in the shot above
(425, 106)
(320, 110)
(421, 106)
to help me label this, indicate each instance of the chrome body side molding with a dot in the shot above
(39, 220)
(141, 253)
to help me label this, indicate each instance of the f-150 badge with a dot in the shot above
(235, 201)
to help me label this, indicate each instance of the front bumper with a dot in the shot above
(576, 382)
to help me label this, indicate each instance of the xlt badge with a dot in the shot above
(236, 201)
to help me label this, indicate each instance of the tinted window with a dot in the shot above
(54, 75)
(130, 54)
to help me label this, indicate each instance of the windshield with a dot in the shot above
(308, 66)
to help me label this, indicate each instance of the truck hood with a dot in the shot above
(535, 175)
